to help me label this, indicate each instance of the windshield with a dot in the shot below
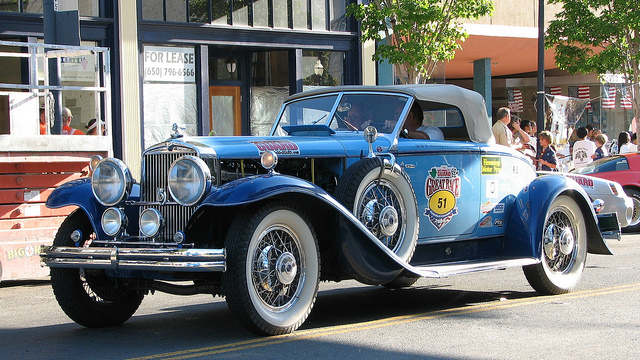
(613, 163)
(345, 112)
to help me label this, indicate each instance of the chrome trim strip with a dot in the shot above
(114, 258)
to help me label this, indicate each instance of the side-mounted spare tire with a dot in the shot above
(382, 198)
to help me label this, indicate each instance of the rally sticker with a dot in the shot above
(442, 189)
(280, 147)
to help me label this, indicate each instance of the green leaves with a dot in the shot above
(420, 33)
(598, 36)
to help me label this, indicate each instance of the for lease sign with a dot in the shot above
(169, 64)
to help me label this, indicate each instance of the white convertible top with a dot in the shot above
(470, 103)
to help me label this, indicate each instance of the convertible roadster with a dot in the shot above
(339, 190)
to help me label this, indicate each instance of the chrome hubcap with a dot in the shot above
(286, 268)
(388, 221)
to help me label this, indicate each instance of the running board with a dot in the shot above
(444, 270)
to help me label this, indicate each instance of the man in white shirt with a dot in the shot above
(501, 132)
(582, 149)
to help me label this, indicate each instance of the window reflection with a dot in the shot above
(284, 14)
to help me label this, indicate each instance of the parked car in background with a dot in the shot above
(614, 199)
(332, 194)
(625, 170)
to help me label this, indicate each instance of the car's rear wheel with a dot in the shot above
(384, 201)
(564, 249)
(89, 297)
(634, 224)
(273, 269)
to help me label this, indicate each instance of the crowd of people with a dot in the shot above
(586, 144)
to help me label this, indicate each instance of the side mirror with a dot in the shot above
(370, 136)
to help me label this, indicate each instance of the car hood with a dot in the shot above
(252, 147)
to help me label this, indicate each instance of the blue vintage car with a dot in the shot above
(343, 188)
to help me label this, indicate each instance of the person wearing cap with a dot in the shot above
(92, 127)
(66, 123)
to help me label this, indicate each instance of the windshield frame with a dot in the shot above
(277, 127)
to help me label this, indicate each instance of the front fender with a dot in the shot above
(525, 227)
(361, 254)
(78, 193)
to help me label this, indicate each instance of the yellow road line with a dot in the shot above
(373, 324)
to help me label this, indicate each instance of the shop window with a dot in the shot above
(283, 14)
(176, 10)
(240, 12)
(269, 88)
(318, 15)
(322, 68)
(338, 17)
(300, 15)
(280, 14)
(85, 7)
(198, 11)
(169, 92)
(220, 12)
(152, 10)
(260, 13)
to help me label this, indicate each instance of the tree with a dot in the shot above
(419, 33)
(598, 36)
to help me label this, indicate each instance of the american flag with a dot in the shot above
(554, 90)
(585, 93)
(608, 97)
(515, 100)
(625, 99)
(581, 92)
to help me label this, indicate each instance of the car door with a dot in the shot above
(446, 179)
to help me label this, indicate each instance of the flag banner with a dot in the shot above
(554, 90)
(564, 113)
(625, 98)
(608, 97)
(515, 100)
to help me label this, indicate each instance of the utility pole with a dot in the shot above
(540, 103)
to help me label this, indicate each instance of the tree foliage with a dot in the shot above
(601, 36)
(419, 33)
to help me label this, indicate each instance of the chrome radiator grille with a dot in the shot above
(155, 169)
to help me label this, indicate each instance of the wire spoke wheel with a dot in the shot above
(273, 268)
(381, 209)
(564, 249)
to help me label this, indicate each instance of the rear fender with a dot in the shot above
(524, 231)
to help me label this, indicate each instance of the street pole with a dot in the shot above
(540, 103)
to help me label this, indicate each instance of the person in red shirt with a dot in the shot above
(43, 122)
(66, 123)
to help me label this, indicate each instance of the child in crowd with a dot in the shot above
(546, 159)
(601, 151)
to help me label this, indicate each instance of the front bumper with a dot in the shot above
(114, 258)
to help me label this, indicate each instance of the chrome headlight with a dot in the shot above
(189, 180)
(111, 181)
(150, 222)
(113, 221)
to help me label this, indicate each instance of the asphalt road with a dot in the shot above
(490, 315)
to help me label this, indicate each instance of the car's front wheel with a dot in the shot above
(273, 268)
(564, 249)
(89, 297)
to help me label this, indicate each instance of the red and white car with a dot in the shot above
(623, 169)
